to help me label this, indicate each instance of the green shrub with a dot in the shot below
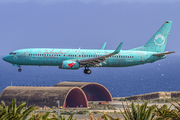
(82, 112)
(67, 113)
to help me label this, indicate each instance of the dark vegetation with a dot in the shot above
(130, 112)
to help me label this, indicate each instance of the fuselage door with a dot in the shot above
(141, 60)
(24, 55)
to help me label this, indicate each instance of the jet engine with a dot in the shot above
(70, 65)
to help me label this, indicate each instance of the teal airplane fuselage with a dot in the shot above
(55, 57)
(76, 58)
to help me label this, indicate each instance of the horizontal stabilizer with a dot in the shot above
(165, 53)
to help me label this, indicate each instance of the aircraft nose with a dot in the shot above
(5, 58)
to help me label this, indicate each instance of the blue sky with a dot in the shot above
(75, 23)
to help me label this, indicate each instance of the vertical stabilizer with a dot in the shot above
(158, 41)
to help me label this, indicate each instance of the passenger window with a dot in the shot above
(132, 56)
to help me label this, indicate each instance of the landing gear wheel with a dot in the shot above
(19, 69)
(87, 71)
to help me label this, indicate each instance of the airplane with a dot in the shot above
(73, 59)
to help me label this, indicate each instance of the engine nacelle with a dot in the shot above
(70, 65)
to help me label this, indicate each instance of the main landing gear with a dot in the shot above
(19, 69)
(87, 70)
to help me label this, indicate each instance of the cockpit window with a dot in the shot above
(12, 53)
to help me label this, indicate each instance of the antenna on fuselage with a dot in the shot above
(79, 48)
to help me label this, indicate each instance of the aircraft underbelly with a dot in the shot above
(119, 63)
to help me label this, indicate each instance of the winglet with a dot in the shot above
(102, 48)
(118, 48)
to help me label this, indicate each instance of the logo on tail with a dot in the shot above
(159, 39)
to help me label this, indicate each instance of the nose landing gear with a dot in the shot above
(19, 69)
(87, 70)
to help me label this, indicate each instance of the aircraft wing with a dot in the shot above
(96, 61)
(165, 53)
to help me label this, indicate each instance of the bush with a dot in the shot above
(82, 112)
(67, 113)
(54, 107)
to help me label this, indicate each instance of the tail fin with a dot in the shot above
(158, 41)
